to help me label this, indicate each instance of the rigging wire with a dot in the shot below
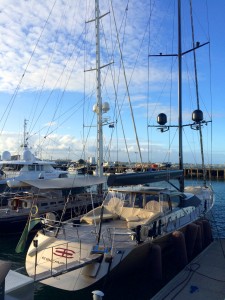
(151, 8)
(13, 98)
(72, 110)
(84, 84)
(197, 94)
(62, 95)
(127, 89)
(59, 78)
(40, 91)
(116, 88)
(68, 79)
(171, 83)
(162, 90)
(117, 110)
(210, 78)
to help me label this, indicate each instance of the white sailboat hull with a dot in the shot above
(62, 257)
(74, 260)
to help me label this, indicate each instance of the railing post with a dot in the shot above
(80, 251)
(97, 295)
(35, 243)
(51, 260)
(67, 246)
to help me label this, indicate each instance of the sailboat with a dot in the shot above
(78, 254)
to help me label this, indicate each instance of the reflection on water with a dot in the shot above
(218, 211)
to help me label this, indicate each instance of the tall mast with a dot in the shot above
(198, 115)
(180, 123)
(98, 94)
(162, 118)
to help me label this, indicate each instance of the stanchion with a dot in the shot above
(97, 295)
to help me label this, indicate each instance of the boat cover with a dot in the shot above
(143, 177)
(65, 183)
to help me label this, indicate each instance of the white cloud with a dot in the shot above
(39, 54)
(49, 48)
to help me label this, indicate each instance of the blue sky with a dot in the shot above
(46, 46)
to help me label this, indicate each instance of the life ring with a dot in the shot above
(34, 210)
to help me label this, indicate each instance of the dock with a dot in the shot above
(211, 172)
(18, 286)
(202, 278)
(14, 285)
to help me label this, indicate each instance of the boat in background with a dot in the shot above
(54, 199)
(14, 216)
(14, 170)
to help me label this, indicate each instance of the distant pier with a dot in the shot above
(190, 171)
(211, 172)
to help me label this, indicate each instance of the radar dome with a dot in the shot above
(197, 115)
(162, 119)
(105, 107)
(6, 155)
(27, 155)
(95, 108)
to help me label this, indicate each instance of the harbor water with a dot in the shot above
(135, 290)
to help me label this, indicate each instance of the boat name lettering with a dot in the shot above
(63, 252)
(52, 260)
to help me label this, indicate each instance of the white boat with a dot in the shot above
(75, 255)
(14, 171)
(72, 169)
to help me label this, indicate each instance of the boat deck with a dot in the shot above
(203, 278)
(116, 229)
